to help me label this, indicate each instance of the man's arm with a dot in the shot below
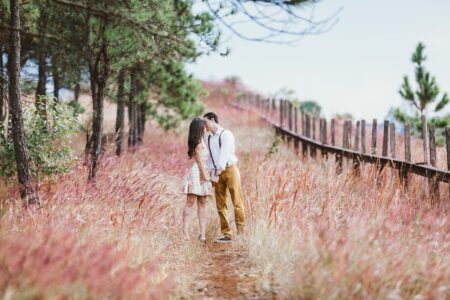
(226, 150)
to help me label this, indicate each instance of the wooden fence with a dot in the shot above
(287, 128)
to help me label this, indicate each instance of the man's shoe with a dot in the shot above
(225, 239)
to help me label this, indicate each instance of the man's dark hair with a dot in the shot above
(211, 116)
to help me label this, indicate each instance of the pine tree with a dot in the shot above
(426, 94)
(27, 193)
(427, 91)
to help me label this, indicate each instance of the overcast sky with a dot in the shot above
(357, 67)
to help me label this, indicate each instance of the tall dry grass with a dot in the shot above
(316, 235)
(310, 234)
(119, 238)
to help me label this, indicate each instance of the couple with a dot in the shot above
(215, 164)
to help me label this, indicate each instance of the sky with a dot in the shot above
(356, 68)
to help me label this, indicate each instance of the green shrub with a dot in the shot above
(275, 147)
(47, 139)
(76, 107)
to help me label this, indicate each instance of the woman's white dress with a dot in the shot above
(192, 181)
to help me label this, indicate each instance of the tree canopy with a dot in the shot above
(134, 52)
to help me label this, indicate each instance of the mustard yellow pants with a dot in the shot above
(230, 179)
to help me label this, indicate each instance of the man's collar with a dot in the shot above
(219, 130)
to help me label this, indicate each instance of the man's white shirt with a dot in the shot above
(222, 155)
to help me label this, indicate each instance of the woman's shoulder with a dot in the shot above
(200, 146)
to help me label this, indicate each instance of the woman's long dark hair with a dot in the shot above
(196, 131)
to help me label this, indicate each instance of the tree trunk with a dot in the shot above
(42, 77)
(99, 73)
(132, 133)
(142, 119)
(120, 119)
(56, 81)
(42, 80)
(2, 88)
(138, 123)
(130, 117)
(27, 191)
(97, 125)
(140, 108)
(425, 138)
(77, 91)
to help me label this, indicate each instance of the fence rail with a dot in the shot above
(288, 113)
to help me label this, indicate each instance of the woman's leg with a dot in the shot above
(201, 211)
(190, 199)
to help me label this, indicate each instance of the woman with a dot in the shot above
(197, 184)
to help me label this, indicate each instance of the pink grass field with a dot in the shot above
(310, 234)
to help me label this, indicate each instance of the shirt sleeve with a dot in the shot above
(226, 150)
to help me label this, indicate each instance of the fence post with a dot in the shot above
(385, 138)
(404, 171)
(345, 135)
(289, 112)
(303, 120)
(281, 112)
(356, 162)
(304, 144)
(392, 139)
(447, 140)
(314, 128)
(313, 148)
(333, 132)
(295, 119)
(320, 130)
(392, 142)
(324, 137)
(290, 116)
(266, 107)
(356, 144)
(308, 125)
(374, 137)
(346, 142)
(349, 132)
(338, 155)
(363, 136)
(433, 183)
(296, 141)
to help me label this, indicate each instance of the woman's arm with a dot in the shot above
(200, 162)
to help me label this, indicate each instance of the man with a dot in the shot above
(222, 165)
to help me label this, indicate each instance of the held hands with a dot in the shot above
(214, 178)
(210, 176)
(206, 177)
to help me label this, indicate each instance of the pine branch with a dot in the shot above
(117, 17)
(442, 103)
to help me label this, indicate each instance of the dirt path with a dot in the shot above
(225, 274)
